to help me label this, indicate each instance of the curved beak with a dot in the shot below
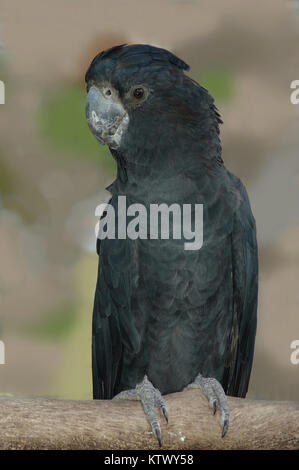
(106, 118)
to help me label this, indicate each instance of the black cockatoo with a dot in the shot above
(166, 317)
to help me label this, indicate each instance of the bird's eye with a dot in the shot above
(138, 93)
(108, 92)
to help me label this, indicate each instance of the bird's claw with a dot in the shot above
(150, 398)
(215, 394)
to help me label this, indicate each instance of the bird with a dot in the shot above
(166, 318)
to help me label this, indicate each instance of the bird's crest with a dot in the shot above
(140, 54)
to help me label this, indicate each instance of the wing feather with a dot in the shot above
(245, 291)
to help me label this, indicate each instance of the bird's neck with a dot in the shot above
(161, 176)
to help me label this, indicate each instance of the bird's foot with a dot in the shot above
(150, 398)
(215, 394)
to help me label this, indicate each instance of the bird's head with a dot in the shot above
(139, 98)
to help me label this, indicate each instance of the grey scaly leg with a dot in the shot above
(215, 394)
(150, 398)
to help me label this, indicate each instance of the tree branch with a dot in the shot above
(39, 423)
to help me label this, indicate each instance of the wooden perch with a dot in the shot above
(39, 423)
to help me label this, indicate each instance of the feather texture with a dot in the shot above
(161, 310)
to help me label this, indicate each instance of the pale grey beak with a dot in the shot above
(106, 118)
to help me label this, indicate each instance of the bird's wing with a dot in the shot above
(113, 325)
(245, 287)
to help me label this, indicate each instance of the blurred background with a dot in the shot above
(53, 172)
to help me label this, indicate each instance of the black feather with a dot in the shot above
(159, 309)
